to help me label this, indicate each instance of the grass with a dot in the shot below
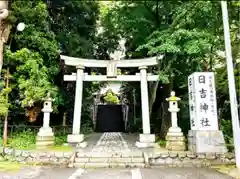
(59, 148)
(51, 148)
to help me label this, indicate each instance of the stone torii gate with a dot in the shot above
(146, 139)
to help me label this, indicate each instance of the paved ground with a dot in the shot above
(114, 142)
(111, 142)
(71, 173)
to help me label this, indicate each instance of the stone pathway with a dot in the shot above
(111, 142)
(145, 173)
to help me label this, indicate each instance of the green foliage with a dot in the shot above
(76, 32)
(187, 33)
(23, 140)
(31, 76)
(4, 105)
(37, 36)
(162, 143)
(111, 98)
(226, 127)
(26, 140)
(60, 140)
(32, 55)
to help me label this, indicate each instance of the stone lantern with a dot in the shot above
(175, 138)
(45, 136)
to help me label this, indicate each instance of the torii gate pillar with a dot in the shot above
(76, 137)
(146, 139)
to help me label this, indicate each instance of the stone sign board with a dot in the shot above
(202, 101)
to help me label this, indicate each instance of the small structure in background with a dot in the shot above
(45, 136)
(175, 138)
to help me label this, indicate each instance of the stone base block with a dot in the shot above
(45, 131)
(146, 141)
(44, 141)
(206, 141)
(175, 130)
(146, 144)
(175, 141)
(76, 140)
(147, 138)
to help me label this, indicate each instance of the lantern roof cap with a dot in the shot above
(173, 97)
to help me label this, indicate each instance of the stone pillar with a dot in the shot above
(204, 136)
(146, 139)
(45, 136)
(175, 138)
(76, 138)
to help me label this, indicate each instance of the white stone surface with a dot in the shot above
(45, 131)
(78, 102)
(173, 109)
(111, 69)
(73, 61)
(77, 174)
(46, 119)
(206, 141)
(146, 141)
(136, 174)
(75, 138)
(111, 142)
(175, 134)
(147, 138)
(146, 144)
(174, 130)
(87, 77)
(144, 100)
(82, 144)
(202, 101)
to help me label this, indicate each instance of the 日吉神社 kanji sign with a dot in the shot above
(204, 135)
(202, 101)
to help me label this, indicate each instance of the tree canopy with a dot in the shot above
(188, 33)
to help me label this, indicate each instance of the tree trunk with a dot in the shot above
(6, 116)
(157, 119)
(153, 96)
(166, 122)
(4, 29)
(64, 119)
(166, 119)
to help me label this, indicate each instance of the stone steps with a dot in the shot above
(109, 160)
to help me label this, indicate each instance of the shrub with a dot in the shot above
(23, 140)
(60, 140)
(226, 127)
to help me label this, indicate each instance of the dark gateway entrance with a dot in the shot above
(109, 118)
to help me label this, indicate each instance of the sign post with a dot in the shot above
(204, 135)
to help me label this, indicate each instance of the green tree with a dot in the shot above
(188, 34)
(32, 56)
(75, 25)
(111, 98)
